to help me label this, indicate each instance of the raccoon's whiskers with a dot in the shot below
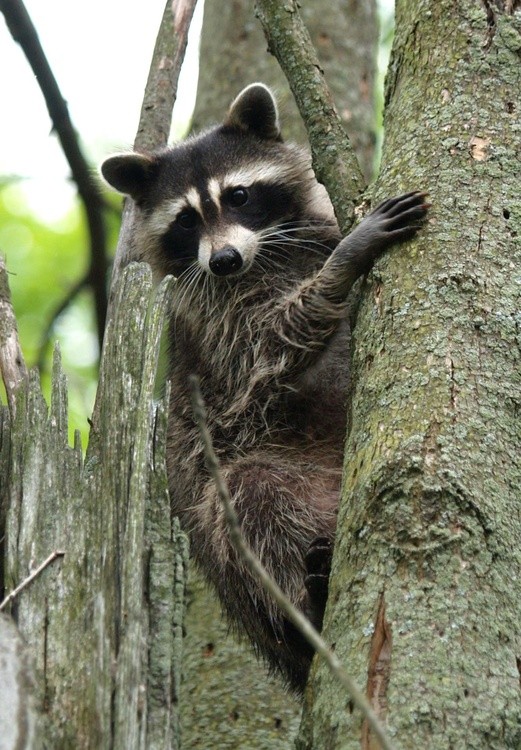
(187, 285)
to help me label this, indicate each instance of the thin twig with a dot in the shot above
(255, 566)
(21, 586)
(23, 31)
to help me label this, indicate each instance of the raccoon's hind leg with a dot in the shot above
(283, 507)
(316, 582)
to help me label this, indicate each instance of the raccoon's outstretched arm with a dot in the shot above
(393, 221)
(311, 314)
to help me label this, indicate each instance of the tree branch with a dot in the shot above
(21, 586)
(161, 89)
(23, 31)
(156, 111)
(255, 566)
(334, 160)
(153, 129)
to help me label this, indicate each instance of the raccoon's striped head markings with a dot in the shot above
(212, 200)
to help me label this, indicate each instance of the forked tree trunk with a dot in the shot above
(345, 34)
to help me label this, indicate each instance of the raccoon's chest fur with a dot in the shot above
(227, 335)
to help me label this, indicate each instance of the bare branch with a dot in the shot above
(161, 89)
(158, 102)
(154, 127)
(21, 586)
(302, 624)
(334, 160)
(23, 31)
(12, 364)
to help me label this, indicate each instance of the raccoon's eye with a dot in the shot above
(237, 197)
(187, 219)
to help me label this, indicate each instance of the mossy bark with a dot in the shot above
(425, 597)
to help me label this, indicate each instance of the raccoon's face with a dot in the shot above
(222, 217)
(219, 200)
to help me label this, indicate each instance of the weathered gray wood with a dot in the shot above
(89, 618)
(18, 717)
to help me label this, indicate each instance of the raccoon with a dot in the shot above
(260, 314)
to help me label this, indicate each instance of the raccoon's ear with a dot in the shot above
(129, 173)
(255, 111)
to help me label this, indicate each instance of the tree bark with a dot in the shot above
(116, 583)
(227, 699)
(18, 716)
(425, 597)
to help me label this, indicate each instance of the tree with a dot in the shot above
(424, 602)
(233, 54)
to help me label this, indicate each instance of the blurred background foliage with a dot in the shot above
(45, 261)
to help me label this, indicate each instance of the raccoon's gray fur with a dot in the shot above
(260, 315)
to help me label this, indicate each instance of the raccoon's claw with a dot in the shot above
(396, 205)
(318, 566)
(395, 220)
(318, 556)
(400, 218)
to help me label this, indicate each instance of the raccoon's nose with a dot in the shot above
(225, 261)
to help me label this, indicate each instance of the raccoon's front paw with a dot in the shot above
(398, 219)
(395, 220)
(318, 566)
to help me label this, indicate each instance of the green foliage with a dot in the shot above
(44, 263)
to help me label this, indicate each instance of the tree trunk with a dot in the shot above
(425, 596)
(18, 716)
(227, 699)
(103, 620)
(345, 34)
